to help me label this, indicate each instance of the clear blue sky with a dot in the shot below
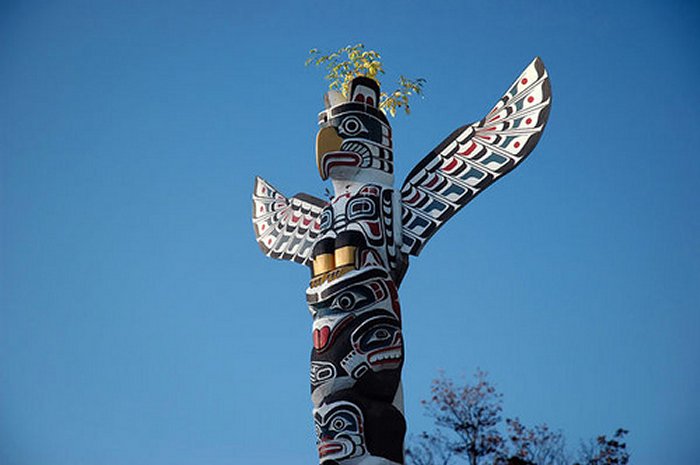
(139, 322)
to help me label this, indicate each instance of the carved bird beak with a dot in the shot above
(327, 141)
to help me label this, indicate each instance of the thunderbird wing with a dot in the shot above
(473, 157)
(285, 228)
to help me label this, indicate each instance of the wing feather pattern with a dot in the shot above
(473, 157)
(285, 228)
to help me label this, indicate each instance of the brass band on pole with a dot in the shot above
(345, 256)
(323, 263)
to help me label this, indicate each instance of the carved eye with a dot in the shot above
(339, 424)
(379, 335)
(345, 301)
(351, 126)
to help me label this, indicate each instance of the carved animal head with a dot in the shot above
(339, 432)
(354, 142)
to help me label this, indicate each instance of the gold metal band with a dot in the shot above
(345, 256)
(323, 263)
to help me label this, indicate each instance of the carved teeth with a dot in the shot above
(393, 354)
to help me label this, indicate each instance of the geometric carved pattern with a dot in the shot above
(285, 228)
(473, 157)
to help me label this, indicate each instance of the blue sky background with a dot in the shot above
(139, 322)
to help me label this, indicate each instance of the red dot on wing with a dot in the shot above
(516, 145)
(524, 81)
(528, 121)
(530, 99)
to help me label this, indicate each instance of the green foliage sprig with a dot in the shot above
(349, 62)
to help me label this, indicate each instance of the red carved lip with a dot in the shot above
(332, 159)
(321, 337)
(325, 449)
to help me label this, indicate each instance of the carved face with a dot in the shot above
(338, 305)
(355, 135)
(377, 345)
(339, 432)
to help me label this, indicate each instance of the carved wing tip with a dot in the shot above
(259, 181)
(538, 64)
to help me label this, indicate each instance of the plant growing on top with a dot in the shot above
(349, 62)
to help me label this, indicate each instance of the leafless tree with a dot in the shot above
(539, 444)
(606, 451)
(470, 429)
(469, 415)
(429, 449)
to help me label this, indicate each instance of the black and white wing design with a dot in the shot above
(473, 157)
(285, 228)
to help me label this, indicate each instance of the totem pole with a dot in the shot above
(357, 246)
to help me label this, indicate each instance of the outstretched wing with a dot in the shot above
(285, 228)
(474, 156)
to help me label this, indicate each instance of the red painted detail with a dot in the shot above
(493, 128)
(528, 121)
(344, 195)
(450, 165)
(391, 362)
(394, 299)
(333, 159)
(378, 291)
(363, 257)
(306, 221)
(360, 98)
(295, 218)
(516, 145)
(413, 199)
(494, 118)
(370, 101)
(469, 150)
(262, 209)
(530, 99)
(338, 328)
(524, 81)
(374, 228)
(432, 182)
(484, 137)
(262, 227)
(326, 449)
(321, 337)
